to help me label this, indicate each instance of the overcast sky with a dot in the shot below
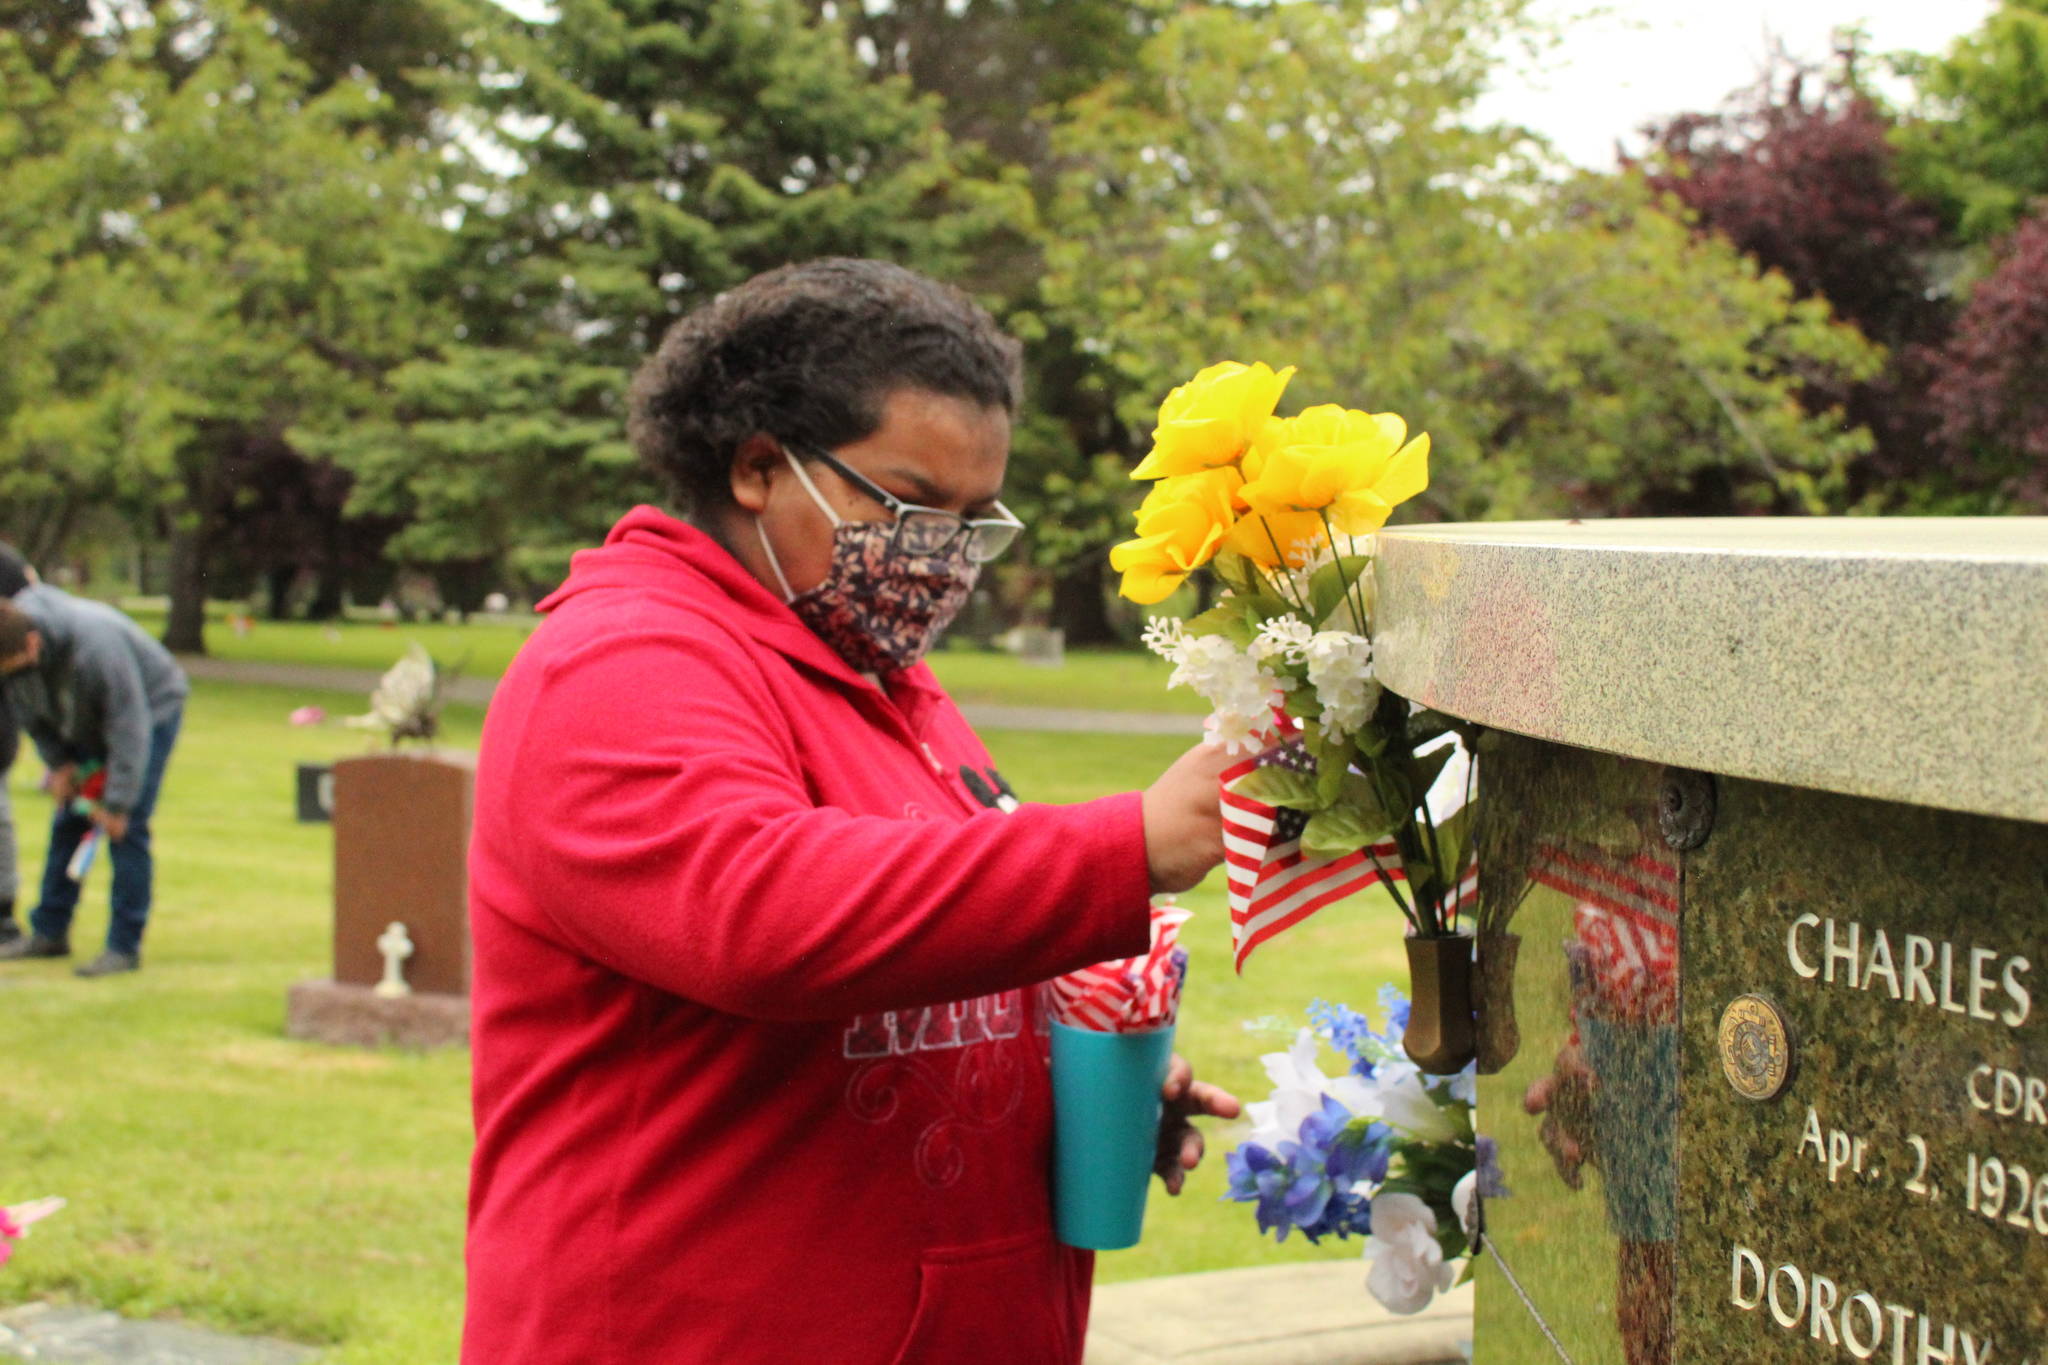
(1646, 59)
(1650, 58)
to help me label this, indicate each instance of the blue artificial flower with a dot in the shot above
(1491, 1184)
(1312, 1185)
(1360, 1155)
(1398, 1009)
(1258, 1175)
(1347, 1031)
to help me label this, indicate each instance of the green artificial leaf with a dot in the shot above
(1239, 575)
(1332, 764)
(1329, 589)
(1425, 726)
(1335, 832)
(1423, 770)
(1231, 618)
(1281, 787)
(1454, 839)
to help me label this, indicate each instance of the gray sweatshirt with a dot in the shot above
(99, 687)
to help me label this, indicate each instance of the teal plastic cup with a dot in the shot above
(1106, 1109)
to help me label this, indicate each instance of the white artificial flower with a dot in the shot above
(1285, 637)
(1465, 1203)
(1345, 709)
(1299, 1087)
(1233, 730)
(1340, 670)
(1164, 636)
(1407, 1107)
(405, 699)
(1337, 656)
(1447, 794)
(1227, 678)
(1408, 1267)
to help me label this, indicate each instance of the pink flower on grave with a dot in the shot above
(15, 1222)
(308, 715)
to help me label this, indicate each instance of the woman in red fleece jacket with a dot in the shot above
(760, 1056)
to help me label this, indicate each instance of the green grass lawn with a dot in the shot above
(1099, 680)
(222, 1173)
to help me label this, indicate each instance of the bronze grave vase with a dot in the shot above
(1440, 1038)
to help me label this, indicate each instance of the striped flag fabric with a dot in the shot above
(1274, 883)
(1131, 993)
(1626, 924)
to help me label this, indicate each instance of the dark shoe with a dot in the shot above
(9, 930)
(34, 945)
(109, 962)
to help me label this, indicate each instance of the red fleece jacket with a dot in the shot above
(759, 1058)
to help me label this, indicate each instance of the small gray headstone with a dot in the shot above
(1046, 647)
(316, 793)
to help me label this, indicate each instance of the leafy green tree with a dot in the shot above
(204, 257)
(1307, 184)
(1001, 69)
(631, 159)
(1975, 142)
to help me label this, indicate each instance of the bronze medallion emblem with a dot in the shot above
(1756, 1047)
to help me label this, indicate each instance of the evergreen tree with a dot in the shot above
(631, 158)
(1002, 69)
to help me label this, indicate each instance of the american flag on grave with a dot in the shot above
(1626, 924)
(1274, 884)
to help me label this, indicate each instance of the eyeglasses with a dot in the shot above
(930, 531)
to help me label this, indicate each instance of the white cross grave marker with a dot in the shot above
(396, 945)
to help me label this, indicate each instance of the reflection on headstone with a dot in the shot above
(1781, 1090)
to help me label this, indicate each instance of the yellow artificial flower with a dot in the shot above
(1276, 539)
(1207, 422)
(1180, 525)
(1352, 467)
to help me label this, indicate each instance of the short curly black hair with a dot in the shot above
(808, 353)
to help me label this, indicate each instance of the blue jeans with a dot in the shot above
(133, 869)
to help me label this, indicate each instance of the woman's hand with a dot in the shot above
(1184, 818)
(1180, 1142)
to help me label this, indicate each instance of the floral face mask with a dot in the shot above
(879, 609)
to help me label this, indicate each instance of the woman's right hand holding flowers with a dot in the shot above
(1184, 818)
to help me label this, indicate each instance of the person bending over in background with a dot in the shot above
(96, 695)
(15, 575)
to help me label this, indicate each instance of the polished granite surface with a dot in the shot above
(1897, 1184)
(1898, 658)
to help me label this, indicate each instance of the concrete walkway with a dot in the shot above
(1313, 1314)
(1317, 1313)
(86, 1336)
(477, 691)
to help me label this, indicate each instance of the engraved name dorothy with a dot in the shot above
(1807, 1303)
(1982, 983)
